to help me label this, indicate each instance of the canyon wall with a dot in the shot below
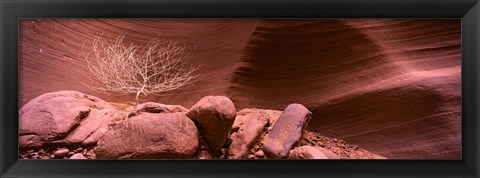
(391, 86)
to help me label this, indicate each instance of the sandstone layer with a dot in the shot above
(392, 87)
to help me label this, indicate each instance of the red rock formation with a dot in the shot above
(390, 86)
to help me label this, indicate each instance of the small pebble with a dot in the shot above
(71, 153)
(52, 156)
(259, 153)
(204, 155)
(61, 152)
(256, 146)
(78, 156)
(224, 151)
(90, 153)
(78, 150)
(251, 156)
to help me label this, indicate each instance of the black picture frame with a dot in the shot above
(467, 10)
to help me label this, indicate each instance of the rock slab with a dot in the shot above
(150, 135)
(247, 134)
(306, 152)
(52, 116)
(286, 131)
(214, 117)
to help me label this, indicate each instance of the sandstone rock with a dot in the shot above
(328, 153)
(61, 152)
(204, 155)
(259, 153)
(152, 107)
(306, 152)
(90, 154)
(96, 125)
(214, 116)
(52, 116)
(250, 156)
(93, 127)
(240, 118)
(77, 156)
(224, 151)
(286, 131)
(272, 116)
(78, 150)
(247, 135)
(150, 135)
(378, 157)
(257, 146)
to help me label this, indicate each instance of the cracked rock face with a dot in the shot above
(150, 135)
(51, 117)
(247, 134)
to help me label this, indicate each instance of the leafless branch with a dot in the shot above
(159, 66)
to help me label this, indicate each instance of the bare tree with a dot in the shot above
(159, 66)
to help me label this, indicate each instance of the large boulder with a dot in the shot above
(214, 116)
(150, 135)
(286, 131)
(52, 116)
(100, 120)
(93, 127)
(307, 152)
(247, 134)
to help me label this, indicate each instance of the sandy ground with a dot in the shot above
(390, 86)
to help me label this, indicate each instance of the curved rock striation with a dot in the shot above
(390, 86)
(52, 53)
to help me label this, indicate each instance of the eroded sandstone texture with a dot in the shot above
(150, 136)
(389, 86)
